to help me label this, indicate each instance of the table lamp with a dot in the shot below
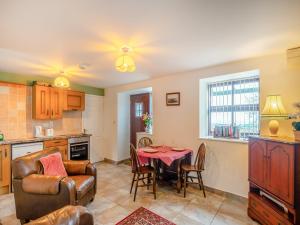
(274, 110)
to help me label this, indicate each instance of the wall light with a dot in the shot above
(125, 63)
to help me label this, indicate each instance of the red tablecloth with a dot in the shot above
(165, 154)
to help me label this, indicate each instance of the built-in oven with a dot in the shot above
(79, 148)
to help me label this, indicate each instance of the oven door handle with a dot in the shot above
(82, 143)
(75, 155)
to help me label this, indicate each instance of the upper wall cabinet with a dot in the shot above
(47, 102)
(74, 100)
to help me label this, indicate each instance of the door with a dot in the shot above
(257, 161)
(4, 165)
(56, 103)
(280, 166)
(139, 105)
(41, 102)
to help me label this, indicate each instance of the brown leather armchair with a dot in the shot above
(37, 195)
(71, 215)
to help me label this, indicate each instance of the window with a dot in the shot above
(234, 104)
(138, 109)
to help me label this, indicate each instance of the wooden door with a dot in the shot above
(257, 162)
(4, 165)
(74, 100)
(139, 105)
(41, 102)
(56, 103)
(280, 170)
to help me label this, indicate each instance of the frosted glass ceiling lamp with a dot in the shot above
(61, 82)
(125, 63)
(274, 110)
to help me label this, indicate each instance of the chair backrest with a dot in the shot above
(144, 142)
(135, 163)
(200, 157)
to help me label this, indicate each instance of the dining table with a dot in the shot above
(166, 154)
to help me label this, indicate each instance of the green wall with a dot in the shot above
(28, 80)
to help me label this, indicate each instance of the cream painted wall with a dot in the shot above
(123, 128)
(227, 163)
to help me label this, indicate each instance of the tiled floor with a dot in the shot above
(113, 202)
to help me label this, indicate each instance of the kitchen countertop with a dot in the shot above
(38, 139)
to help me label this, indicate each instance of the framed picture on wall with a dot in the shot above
(173, 99)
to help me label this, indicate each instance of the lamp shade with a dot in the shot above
(274, 107)
(61, 82)
(125, 64)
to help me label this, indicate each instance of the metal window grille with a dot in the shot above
(234, 103)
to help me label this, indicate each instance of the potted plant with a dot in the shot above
(147, 119)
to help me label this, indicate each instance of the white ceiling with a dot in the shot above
(168, 36)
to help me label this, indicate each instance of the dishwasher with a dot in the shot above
(18, 150)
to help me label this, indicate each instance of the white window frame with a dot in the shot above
(204, 99)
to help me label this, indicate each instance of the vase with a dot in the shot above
(297, 135)
(147, 129)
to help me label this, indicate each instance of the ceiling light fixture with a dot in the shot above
(61, 81)
(125, 63)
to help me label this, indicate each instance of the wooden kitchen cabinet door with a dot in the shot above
(74, 100)
(56, 103)
(4, 165)
(41, 102)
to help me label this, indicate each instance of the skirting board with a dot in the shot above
(114, 162)
(210, 189)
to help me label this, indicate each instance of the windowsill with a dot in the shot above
(232, 140)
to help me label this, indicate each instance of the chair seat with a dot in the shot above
(187, 167)
(83, 184)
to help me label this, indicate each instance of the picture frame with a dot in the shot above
(173, 99)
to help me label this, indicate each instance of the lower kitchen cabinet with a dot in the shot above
(60, 144)
(5, 174)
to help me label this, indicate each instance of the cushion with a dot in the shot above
(83, 184)
(53, 165)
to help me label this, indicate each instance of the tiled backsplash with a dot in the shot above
(16, 114)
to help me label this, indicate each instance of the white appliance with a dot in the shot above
(49, 132)
(38, 131)
(19, 150)
(92, 122)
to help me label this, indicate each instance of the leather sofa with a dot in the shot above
(37, 195)
(71, 215)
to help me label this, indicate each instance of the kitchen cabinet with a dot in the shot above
(5, 173)
(74, 100)
(274, 171)
(47, 102)
(60, 144)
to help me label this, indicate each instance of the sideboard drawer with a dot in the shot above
(266, 212)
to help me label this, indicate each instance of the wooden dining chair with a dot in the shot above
(198, 167)
(140, 173)
(144, 142)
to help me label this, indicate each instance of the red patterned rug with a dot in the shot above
(143, 216)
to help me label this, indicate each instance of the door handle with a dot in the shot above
(5, 153)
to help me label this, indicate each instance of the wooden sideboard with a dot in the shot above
(274, 178)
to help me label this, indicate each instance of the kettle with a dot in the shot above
(38, 131)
